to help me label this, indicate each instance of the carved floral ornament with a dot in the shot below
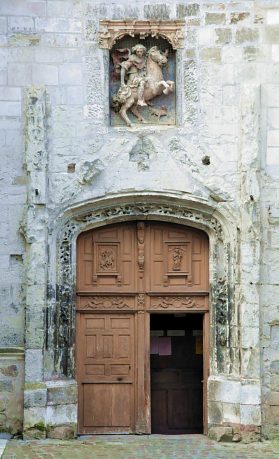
(174, 302)
(104, 303)
(111, 31)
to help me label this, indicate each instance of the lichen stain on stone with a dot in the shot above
(11, 370)
(23, 39)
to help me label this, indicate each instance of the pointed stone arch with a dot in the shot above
(61, 311)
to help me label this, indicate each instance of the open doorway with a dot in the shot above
(176, 367)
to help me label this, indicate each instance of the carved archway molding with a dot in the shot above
(200, 215)
(113, 30)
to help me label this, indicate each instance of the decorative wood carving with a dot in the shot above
(140, 237)
(105, 303)
(178, 303)
(106, 260)
(141, 301)
(111, 31)
(168, 302)
(177, 256)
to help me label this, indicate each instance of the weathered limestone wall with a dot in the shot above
(60, 154)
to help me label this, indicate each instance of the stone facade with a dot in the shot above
(65, 170)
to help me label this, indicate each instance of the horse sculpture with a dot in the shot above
(127, 97)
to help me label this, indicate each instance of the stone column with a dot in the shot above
(250, 252)
(34, 228)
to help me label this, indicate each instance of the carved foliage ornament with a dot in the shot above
(174, 302)
(100, 303)
(111, 31)
(142, 209)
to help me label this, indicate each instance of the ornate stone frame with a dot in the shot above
(114, 30)
(61, 312)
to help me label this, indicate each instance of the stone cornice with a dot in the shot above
(114, 30)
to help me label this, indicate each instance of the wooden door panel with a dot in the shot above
(159, 410)
(178, 259)
(108, 347)
(106, 372)
(107, 405)
(106, 260)
(185, 408)
(179, 416)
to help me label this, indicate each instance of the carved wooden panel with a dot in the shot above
(157, 257)
(105, 358)
(179, 303)
(105, 303)
(178, 259)
(106, 259)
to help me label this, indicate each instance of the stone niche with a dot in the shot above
(142, 70)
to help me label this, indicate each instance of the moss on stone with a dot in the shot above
(33, 386)
(39, 426)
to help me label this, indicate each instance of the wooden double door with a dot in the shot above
(126, 274)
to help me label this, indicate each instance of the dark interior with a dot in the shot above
(176, 373)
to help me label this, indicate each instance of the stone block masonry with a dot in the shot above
(61, 157)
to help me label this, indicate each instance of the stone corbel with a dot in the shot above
(111, 31)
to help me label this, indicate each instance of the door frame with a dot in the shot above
(206, 366)
(143, 304)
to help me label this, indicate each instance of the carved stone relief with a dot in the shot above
(142, 76)
(35, 132)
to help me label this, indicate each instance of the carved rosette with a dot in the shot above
(141, 301)
(111, 31)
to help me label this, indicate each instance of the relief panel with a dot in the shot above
(105, 303)
(176, 303)
(178, 260)
(142, 81)
(106, 260)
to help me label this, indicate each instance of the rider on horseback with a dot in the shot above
(134, 71)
